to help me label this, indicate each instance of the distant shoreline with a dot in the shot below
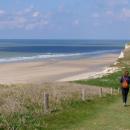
(49, 56)
(36, 50)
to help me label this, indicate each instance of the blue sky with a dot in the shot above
(65, 19)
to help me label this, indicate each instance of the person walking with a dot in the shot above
(125, 81)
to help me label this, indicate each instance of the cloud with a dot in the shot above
(61, 8)
(11, 23)
(114, 3)
(125, 13)
(36, 14)
(111, 7)
(76, 22)
(31, 18)
(27, 19)
(109, 13)
(2, 12)
(95, 15)
(37, 25)
(29, 9)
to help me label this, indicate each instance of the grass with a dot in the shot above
(106, 113)
(70, 115)
(111, 80)
(23, 108)
(113, 116)
(75, 113)
(129, 43)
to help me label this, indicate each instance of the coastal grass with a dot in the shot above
(106, 113)
(113, 116)
(111, 80)
(70, 115)
(22, 106)
(128, 43)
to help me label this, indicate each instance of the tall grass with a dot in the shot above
(69, 115)
(21, 106)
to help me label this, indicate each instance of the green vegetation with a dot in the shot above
(21, 106)
(71, 114)
(111, 80)
(128, 43)
(112, 116)
(105, 113)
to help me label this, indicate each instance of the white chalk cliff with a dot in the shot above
(121, 56)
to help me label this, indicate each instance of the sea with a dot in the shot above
(15, 50)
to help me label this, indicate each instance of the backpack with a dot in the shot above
(125, 83)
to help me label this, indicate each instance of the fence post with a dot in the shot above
(83, 94)
(118, 90)
(111, 91)
(46, 102)
(100, 92)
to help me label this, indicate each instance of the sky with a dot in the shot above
(65, 19)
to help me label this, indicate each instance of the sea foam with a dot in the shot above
(53, 55)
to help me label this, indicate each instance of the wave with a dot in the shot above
(52, 55)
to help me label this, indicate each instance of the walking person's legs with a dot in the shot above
(123, 95)
(126, 95)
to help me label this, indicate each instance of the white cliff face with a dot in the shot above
(121, 55)
(127, 46)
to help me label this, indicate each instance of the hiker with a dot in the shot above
(125, 81)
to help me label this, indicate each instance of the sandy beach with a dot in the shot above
(53, 70)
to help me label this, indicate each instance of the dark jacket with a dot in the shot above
(127, 78)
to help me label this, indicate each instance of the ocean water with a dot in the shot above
(25, 50)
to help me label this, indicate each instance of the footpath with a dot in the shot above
(111, 117)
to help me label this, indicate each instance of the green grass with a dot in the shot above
(70, 115)
(112, 116)
(128, 43)
(105, 113)
(112, 80)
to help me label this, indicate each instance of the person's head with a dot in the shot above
(126, 73)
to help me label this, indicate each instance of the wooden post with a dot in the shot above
(100, 92)
(46, 102)
(83, 94)
(118, 90)
(111, 91)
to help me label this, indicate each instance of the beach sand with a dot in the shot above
(53, 70)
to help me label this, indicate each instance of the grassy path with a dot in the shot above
(106, 113)
(111, 117)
